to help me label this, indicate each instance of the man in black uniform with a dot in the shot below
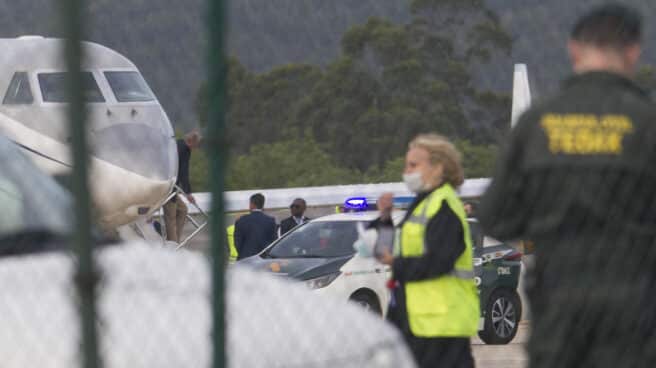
(578, 177)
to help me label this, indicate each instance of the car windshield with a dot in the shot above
(129, 87)
(317, 239)
(53, 87)
(30, 201)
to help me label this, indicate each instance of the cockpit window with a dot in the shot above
(129, 87)
(19, 92)
(53, 87)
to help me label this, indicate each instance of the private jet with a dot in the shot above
(133, 161)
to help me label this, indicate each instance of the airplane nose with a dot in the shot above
(138, 148)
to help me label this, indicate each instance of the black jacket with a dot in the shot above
(289, 223)
(253, 233)
(563, 170)
(184, 155)
(578, 177)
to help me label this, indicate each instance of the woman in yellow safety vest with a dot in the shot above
(434, 299)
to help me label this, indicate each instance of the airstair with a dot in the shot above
(144, 228)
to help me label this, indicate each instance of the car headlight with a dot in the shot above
(321, 281)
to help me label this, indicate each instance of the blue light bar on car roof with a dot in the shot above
(356, 203)
(363, 204)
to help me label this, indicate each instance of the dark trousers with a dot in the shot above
(441, 352)
(577, 329)
(593, 302)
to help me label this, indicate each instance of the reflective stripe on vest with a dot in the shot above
(448, 305)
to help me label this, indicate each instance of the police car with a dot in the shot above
(320, 253)
(497, 268)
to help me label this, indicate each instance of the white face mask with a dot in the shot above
(413, 182)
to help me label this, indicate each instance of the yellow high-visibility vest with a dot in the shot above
(448, 305)
(230, 231)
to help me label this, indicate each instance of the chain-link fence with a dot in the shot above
(118, 106)
(94, 300)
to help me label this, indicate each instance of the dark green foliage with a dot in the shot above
(293, 163)
(478, 160)
(198, 171)
(391, 172)
(299, 163)
(356, 116)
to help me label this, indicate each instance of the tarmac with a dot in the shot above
(512, 355)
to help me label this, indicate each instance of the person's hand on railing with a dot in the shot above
(191, 198)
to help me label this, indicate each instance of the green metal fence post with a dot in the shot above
(217, 151)
(86, 276)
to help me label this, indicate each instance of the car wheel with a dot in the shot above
(503, 311)
(368, 301)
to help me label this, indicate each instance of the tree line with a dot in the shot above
(350, 121)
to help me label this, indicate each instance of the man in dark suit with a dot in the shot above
(254, 231)
(297, 209)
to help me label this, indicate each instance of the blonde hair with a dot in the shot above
(441, 151)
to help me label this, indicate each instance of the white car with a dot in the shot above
(321, 254)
